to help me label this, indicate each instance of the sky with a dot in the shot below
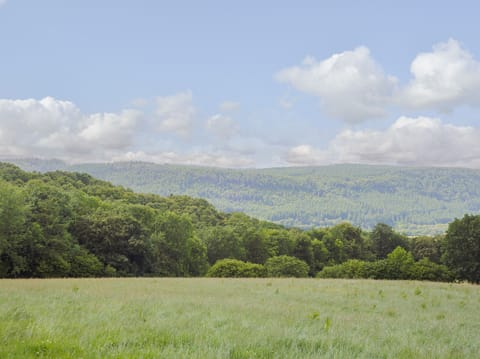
(241, 84)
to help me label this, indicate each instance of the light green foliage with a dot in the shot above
(237, 318)
(286, 266)
(399, 264)
(236, 269)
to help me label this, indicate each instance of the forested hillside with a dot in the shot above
(412, 200)
(73, 225)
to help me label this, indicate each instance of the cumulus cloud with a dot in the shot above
(420, 141)
(351, 86)
(52, 128)
(222, 126)
(229, 106)
(176, 113)
(199, 158)
(444, 78)
(55, 128)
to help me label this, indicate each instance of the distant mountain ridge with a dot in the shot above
(412, 200)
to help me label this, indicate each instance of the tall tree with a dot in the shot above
(385, 240)
(462, 248)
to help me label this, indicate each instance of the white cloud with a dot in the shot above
(420, 141)
(176, 113)
(111, 130)
(222, 126)
(52, 128)
(55, 128)
(2, 2)
(351, 85)
(229, 106)
(445, 78)
(199, 158)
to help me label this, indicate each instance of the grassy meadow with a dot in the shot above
(237, 318)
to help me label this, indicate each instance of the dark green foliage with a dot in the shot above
(286, 266)
(223, 242)
(385, 240)
(236, 269)
(462, 248)
(427, 247)
(13, 213)
(303, 250)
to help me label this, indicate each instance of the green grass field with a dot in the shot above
(237, 318)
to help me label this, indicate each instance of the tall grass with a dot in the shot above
(237, 318)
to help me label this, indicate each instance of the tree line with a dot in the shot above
(62, 224)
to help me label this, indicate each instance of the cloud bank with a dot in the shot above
(420, 141)
(56, 128)
(52, 128)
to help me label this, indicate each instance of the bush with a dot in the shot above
(425, 269)
(398, 265)
(236, 269)
(352, 268)
(286, 266)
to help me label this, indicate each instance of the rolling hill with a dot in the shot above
(412, 200)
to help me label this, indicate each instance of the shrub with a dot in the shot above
(236, 268)
(352, 268)
(425, 269)
(286, 266)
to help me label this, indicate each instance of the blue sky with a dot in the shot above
(241, 84)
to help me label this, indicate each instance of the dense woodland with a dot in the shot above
(63, 224)
(416, 201)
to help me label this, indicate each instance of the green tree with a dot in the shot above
(12, 222)
(462, 248)
(385, 240)
(303, 249)
(399, 264)
(426, 247)
(223, 242)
